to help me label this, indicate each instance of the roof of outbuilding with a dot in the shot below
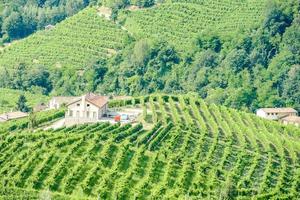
(294, 119)
(13, 115)
(279, 110)
(66, 100)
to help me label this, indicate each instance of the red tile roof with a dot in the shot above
(94, 99)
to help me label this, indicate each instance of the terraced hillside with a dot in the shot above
(182, 21)
(194, 151)
(74, 43)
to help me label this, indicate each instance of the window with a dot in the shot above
(88, 105)
(78, 104)
(94, 115)
(77, 114)
(71, 113)
(87, 114)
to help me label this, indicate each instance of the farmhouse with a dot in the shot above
(88, 108)
(58, 102)
(12, 115)
(294, 120)
(276, 113)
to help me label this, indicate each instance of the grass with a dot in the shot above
(9, 98)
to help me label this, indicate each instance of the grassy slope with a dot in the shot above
(74, 43)
(209, 151)
(9, 98)
(180, 23)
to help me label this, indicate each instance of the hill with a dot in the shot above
(243, 54)
(73, 43)
(182, 22)
(86, 37)
(194, 150)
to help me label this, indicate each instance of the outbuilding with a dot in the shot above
(276, 113)
(293, 120)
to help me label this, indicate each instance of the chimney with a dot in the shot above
(83, 104)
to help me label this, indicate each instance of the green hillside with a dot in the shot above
(194, 151)
(9, 98)
(74, 43)
(181, 23)
(242, 54)
(85, 37)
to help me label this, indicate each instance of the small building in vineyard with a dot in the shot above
(12, 116)
(276, 113)
(293, 120)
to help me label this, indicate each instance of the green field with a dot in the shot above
(73, 43)
(9, 98)
(194, 151)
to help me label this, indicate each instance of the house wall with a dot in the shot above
(85, 110)
(292, 123)
(261, 113)
(273, 116)
(53, 104)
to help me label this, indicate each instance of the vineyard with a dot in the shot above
(182, 21)
(75, 42)
(193, 151)
(85, 37)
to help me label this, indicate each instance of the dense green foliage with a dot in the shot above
(19, 19)
(243, 54)
(194, 150)
(75, 52)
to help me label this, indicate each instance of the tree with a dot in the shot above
(140, 55)
(19, 76)
(13, 25)
(207, 42)
(95, 74)
(291, 87)
(74, 6)
(276, 20)
(21, 104)
(32, 121)
(291, 38)
(237, 60)
(145, 3)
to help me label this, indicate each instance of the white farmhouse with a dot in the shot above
(86, 109)
(276, 113)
